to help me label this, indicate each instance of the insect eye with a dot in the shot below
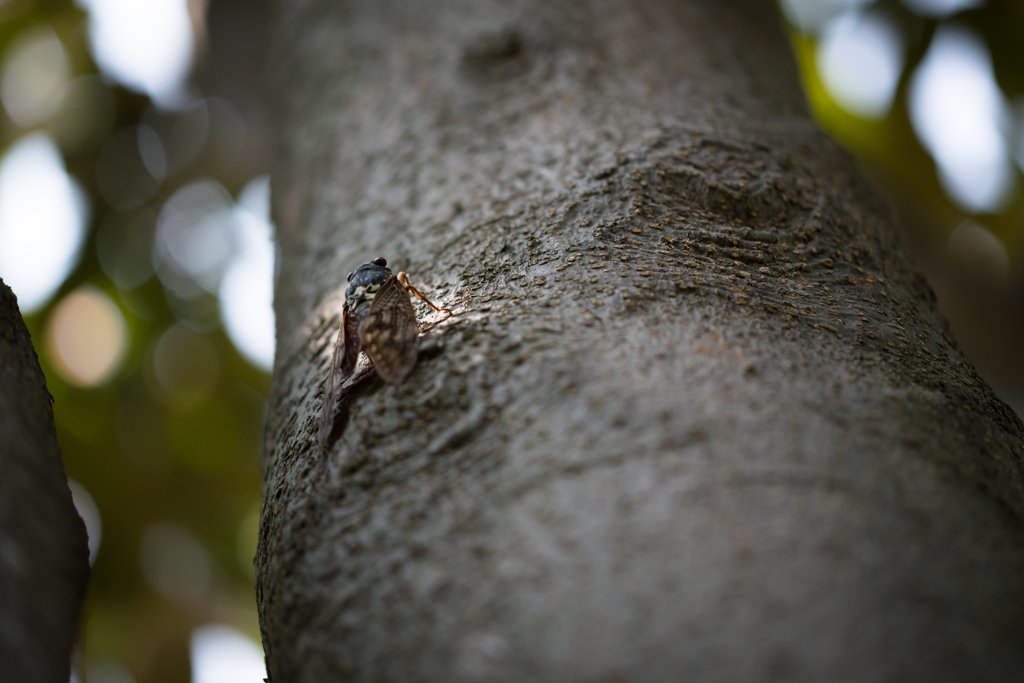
(380, 262)
(349, 278)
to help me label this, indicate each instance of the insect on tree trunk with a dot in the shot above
(694, 417)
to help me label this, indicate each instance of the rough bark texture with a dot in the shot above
(44, 555)
(695, 418)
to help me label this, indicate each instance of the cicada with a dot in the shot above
(378, 318)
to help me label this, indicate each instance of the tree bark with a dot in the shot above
(695, 417)
(44, 554)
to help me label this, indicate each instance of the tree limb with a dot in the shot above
(695, 418)
(44, 555)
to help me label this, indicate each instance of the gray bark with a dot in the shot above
(44, 554)
(695, 418)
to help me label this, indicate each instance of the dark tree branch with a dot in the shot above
(44, 555)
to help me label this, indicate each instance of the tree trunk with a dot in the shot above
(695, 417)
(44, 555)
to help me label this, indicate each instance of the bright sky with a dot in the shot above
(221, 654)
(860, 59)
(145, 45)
(43, 217)
(247, 289)
(959, 113)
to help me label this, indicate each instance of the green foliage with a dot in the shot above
(890, 148)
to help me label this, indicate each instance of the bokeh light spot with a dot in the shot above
(146, 46)
(860, 59)
(90, 515)
(247, 290)
(194, 238)
(152, 152)
(974, 247)
(959, 114)
(35, 71)
(175, 563)
(1017, 139)
(221, 654)
(43, 214)
(86, 337)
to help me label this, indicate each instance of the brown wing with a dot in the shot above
(349, 328)
(388, 332)
(343, 363)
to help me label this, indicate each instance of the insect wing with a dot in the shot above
(343, 363)
(388, 332)
(349, 329)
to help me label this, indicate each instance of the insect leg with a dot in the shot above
(403, 280)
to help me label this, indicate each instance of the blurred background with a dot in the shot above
(929, 96)
(135, 230)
